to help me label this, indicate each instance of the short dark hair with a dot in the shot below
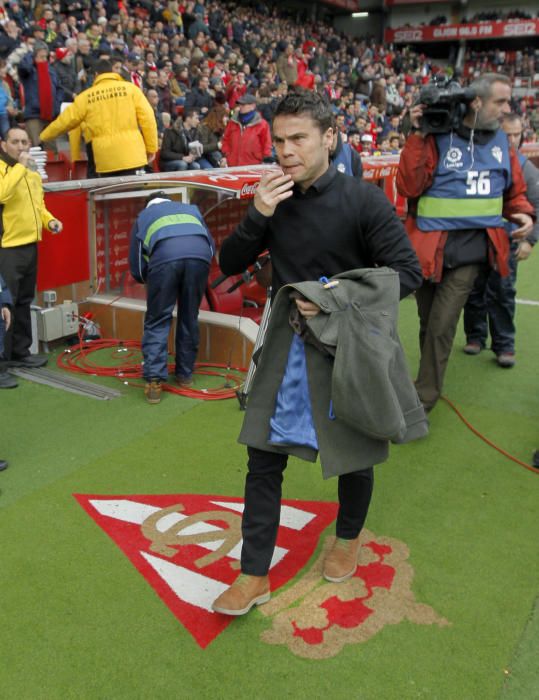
(511, 118)
(300, 101)
(189, 112)
(103, 66)
(17, 127)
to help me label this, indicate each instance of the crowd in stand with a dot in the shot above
(490, 16)
(494, 16)
(209, 69)
(516, 64)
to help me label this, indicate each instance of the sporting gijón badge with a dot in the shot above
(188, 547)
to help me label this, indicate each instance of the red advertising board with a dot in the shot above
(390, 3)
(64, 257)
(352, 5)
(380, 167)
(455, 32)
(531, 150)
(114, 221)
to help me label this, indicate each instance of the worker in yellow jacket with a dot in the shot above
(23, 216)
(118, 119)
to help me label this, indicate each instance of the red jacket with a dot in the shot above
(418, 162)
(246, 145)
(305, 77)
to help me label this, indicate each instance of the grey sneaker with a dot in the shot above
(506, 359)
(472, 348)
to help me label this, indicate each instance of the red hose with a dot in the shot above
(128, 366)
(489, 442)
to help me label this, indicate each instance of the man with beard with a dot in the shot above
(460, 186)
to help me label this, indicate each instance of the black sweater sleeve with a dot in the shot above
(387, 240)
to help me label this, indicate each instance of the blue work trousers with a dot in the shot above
(182, 281)
(491, 306)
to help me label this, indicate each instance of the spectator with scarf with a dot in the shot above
(247, 137)
(64, 68)
(42, 94)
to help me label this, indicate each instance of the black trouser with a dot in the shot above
(263, 504)
(121, 173)
(91, 172)
(18, 267)
(491, 306)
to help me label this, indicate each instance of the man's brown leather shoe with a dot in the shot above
(245, 592)
(341, 562)
(152, 390)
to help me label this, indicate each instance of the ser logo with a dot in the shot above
(188, 549)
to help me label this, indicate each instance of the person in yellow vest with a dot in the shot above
(118, 119)
(23, 217)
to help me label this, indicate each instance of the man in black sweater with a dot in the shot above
(316, 222)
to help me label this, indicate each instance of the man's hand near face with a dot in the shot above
(26, 159)
(274, 187)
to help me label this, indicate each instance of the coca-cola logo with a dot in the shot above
(248, 189)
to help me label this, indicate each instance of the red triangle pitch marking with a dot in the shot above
(183, 587)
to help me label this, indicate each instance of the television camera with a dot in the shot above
(446, 102)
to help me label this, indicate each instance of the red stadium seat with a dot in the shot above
(57, 167)
(225, 302)
(79, 169)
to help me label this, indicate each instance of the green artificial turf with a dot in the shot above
(79, 621)
(522, 674)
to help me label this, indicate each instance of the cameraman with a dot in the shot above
(460, 185)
